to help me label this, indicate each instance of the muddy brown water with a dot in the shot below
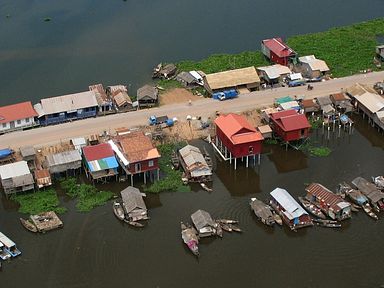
(96, 250)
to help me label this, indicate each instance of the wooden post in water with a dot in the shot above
(246, 162)
(145, 178)
(131, 179)
(259, 159)
(235, 163)
(230, 158)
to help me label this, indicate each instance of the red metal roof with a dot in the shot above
(277, 46)
(290, 120)
(98, 152)
(16, 112)
(325, 195)
(237, 128)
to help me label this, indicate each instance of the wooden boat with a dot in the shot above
(28, 225)
(277, 218)
(327, 223)
(205, 187)
(227, 221)
(134, 223)
(379, 182)
(219, 231)
(226, 227)
(118, 210)
(311, 208)
(354, 207)
(234, 228)
(368, 210)
(190, 238)
(262, 211)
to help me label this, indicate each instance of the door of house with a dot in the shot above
(137, 167)
(12, 124)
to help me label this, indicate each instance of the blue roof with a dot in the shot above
(102, 164)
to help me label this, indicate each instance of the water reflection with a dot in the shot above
(287, 161)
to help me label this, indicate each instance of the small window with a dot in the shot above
(250, 150)
(18, 121)
(4, 125)
(27, 120)
(150, 163)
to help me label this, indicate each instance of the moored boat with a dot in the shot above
(327, 223)
(219, 230)
(118, 210)
(189, 236)
(28, 225)
(277, 218)
(227, 221)
(4, 255)
(368, 210)
(379, 182)
(205, 187)
(311, 208)
(234, 228)
(262, 211)
(9, 245)
(134, 223)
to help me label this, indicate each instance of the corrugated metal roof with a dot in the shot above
(102, 164)
(237, 128)
(368, 189)
(373, 102)
(6, 241)
(202, 219)
(314, 63)
(290, 120)
(78, 143)
(101, 95)
(27, 151)
(195, 161)
(323, 194)
(22, 180)
(359, 89)
(147, 91)
(121, 98)
(14, 169)
(290, 105)
(63, 158)
(98, 151)
(277, 46)
(132, 199)
(274, 71)
(325, 100)
(232, 78)
(264, 129)
(68, 103)
(291, 207)
(16, 112)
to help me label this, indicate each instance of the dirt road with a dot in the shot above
(204, 107)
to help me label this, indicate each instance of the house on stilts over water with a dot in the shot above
(100, 162)
(195, 166)
(375, 196)
(236, 138)
(136, 155)
(331, 204)
(292, 213)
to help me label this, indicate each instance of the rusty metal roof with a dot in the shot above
(16, 112)
(326, 196)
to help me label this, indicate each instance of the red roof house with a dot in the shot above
(238, 136)
(277, 51)
(289, 125)
(136, 153)
(17, 116)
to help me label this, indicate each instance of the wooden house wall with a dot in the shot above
(144, 166)
(290, 135)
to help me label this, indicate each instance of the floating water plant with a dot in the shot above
(47, 19)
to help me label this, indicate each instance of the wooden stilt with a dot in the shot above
(246, 162)
(259, 159)
(158, 174)
(145, 178)
(235, 163)
(131, 179)
(230, 158)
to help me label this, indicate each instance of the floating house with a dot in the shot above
(289, 125)
(43, 178)
(133, 204)
(342, 102)
(16, 177)
(104, 102)
(194, 164)
(244, 79)
(17, 117)
(289, 210)
(67, 161)
(375, 196)
(277, 51)
(119, 95)
(136, 154)
(309, 105)
(204, 223)
(65, 108)
(164, 71)
(273, 74)
(236, 138)
(311, 67)
(147, 96)
(100, 161)
(331, 204)
(9, 246)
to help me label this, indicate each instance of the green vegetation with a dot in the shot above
(47, 19)
(315, 123)
(222, 62)
(42, 201)
(168, 84)
(347, 50)
(172, 181)
(271, 141)
(315, 151)
(88, 197)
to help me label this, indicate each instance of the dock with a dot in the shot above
(46, 221)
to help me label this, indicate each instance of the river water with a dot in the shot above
(119, 42)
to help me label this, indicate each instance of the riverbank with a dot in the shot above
(347, 50)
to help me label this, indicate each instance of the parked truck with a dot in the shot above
(224, 95)
(162, 120)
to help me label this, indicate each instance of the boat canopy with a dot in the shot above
(8, 243)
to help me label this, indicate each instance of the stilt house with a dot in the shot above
(16, 177)
(289, 125)
(236, 138)
(375, 196)
(17, 117)
(194, 164)
(147, 96)
(331, 204)
(100, 161)
(277, 51)
(64, 162)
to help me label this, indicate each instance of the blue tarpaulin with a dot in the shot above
(5, 153)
